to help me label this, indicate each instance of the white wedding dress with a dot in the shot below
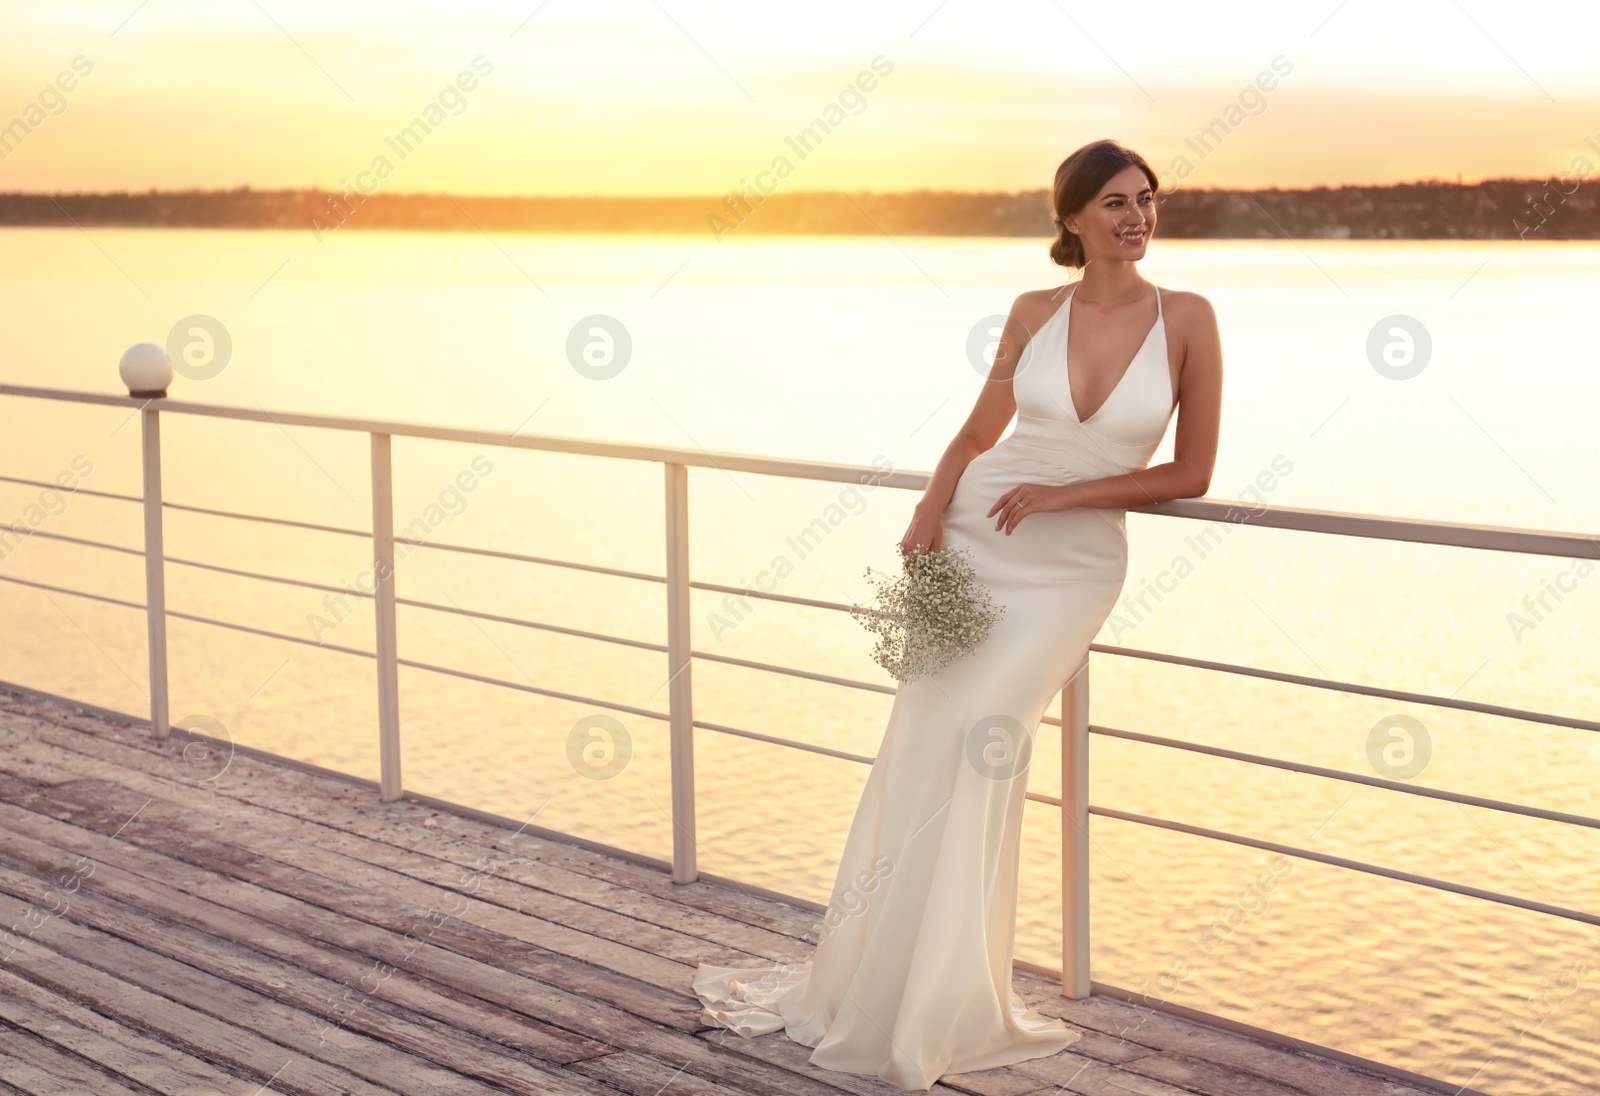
(912, 976)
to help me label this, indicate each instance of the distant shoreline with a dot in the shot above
(1525, 209)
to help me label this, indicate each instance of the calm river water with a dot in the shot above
(856, 349)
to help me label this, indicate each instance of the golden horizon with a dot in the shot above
(508, 100)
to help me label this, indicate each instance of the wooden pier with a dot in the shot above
(274, 930)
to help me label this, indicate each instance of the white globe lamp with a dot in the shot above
(147, 370)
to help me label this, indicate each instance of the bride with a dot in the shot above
(911, 978)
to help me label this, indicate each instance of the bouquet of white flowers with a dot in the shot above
(935, 611)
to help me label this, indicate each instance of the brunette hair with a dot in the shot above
(1078, 180)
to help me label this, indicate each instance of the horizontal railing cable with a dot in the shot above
(414, 664)
(517, 685)
(1349, 687)
(713, 587)
(478, 614)
(419, 665)
(776, 741)
(1533, 812)
(75, 593)
(416, 604)
(365, 534)
(849, 683)
(1429, 699)
(268, 633)
(464, 549)
(456, 610)
(762, 595)
(497, 553)
(65, 490)
(1350, 777)
(85, 541)
(1127, 652)
(195, 617)
(281, 580)
(1354, 865)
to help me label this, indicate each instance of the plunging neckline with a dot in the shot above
(1066, 357)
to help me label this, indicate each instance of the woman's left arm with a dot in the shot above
(1194, 450)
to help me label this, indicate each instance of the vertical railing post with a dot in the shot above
(155, 581)
(1075, 834)
(679, 684)
(383, 618)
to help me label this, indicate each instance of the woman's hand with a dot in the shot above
(924, 534)
(1029, 498)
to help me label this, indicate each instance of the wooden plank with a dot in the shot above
(736, 905)
(1099, 1079)
(133, 1054)
(626, 1071)
(1209, 1078)
(1070, 1072)
(534, 1000)
(564, 927)
(325, 908)
(597, 896)
(39, 1067)
(492, 909)
(16, 787)
(155, 815)
(599, 908)
(167, 888)
(301, 1002)
(989, 1082)
(168, 920)
(162, 995)
(644, 1076)
(778, 1049)
(546, 884)
(541, 864)
(1105, 1048)
(1013, 1085)
(1169, 1033)
(1116, 1050)
(18, 761)
(1000, 1081)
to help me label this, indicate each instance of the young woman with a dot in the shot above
(912, 976)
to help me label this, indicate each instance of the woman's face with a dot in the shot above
(1117, 222)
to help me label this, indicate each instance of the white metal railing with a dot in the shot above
(679, 716)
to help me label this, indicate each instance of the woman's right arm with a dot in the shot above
(990, 415)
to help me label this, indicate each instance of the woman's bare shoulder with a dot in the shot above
(1034, 306)
(1047, 298)
(1188, 309)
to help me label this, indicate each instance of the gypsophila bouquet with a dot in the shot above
(935, 611)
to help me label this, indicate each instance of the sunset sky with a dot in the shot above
(684, 97)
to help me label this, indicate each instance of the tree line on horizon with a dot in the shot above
(1527, 209)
